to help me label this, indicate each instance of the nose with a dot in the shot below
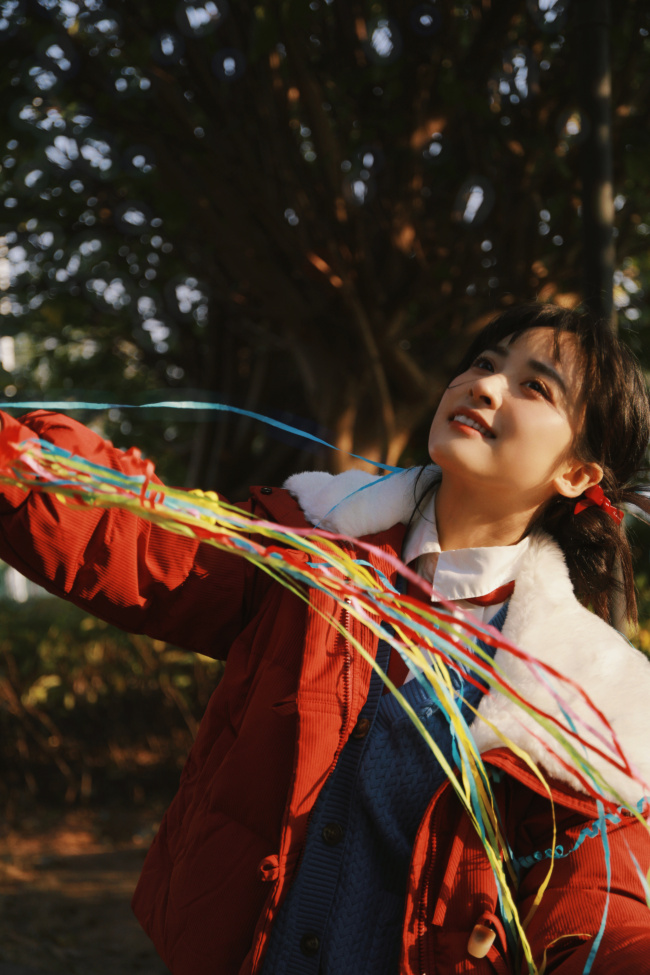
(487, 389)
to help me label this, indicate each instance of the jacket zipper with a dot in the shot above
(424, 967)
(347, 708)
(422, 918)
(347, 691)
(347, 701)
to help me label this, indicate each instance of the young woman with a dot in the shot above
(313, 832)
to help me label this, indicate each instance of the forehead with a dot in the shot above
(559, 349)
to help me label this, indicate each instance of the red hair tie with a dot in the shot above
(596, 495)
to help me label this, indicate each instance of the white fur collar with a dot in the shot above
(355, 503)
(544, 619)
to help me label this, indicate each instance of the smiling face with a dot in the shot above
(508, 425)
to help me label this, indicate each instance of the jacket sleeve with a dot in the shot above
(564, 927)
(120, 567)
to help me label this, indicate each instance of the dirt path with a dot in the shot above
(65, 889)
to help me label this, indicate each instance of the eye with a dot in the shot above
(539, 387)
(483, 362)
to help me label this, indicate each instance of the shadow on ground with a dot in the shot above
(65, 902)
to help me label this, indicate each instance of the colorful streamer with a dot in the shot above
(67, 406)
(435, 642)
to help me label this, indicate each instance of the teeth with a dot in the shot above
(461, 418)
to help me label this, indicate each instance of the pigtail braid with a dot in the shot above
(597, 549)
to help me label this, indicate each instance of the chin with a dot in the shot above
(449, 454)
(455, 462)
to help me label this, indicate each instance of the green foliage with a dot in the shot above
(640, 535)
(88, 713)
(300, 208)
(276, 205)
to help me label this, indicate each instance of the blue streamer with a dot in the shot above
(64, 406)
(642, 877)
(384, 578)
(591, 831)
(382, 575)
(597, 828)
(608, 865)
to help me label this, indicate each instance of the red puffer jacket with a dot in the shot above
(229, 843)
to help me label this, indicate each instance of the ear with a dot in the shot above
(576, 477)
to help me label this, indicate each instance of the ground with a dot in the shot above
(66, 880)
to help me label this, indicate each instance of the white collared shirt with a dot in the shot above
(464, 573)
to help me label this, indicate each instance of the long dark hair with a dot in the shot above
(615, 434)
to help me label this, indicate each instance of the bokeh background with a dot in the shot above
(301, 209)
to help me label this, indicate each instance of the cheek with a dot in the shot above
(438, 422)
(543, 445)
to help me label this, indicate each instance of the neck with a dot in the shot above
(468, 518)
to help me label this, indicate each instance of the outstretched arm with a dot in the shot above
(119, 567)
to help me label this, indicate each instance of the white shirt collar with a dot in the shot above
(462, 573)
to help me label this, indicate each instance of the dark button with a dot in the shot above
(266, 490)
(332, 833)
(361, 728)
(309, 944)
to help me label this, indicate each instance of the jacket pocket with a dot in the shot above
(288, 706)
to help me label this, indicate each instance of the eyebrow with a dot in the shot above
(535, 364)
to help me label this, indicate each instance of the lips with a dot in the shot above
(471, 419)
